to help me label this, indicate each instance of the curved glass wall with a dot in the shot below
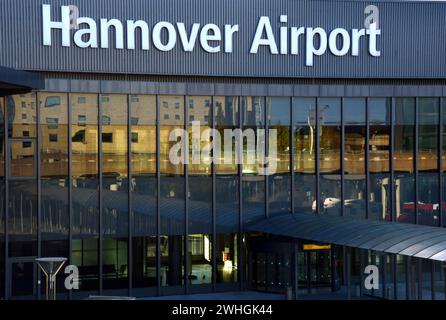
(129, 196)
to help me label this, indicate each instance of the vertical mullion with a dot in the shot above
(39, 186)
(100, 191)
(265, 165)
(318, 169)
(240, 194)
(392, 184)
(292, 156)
(6, 208)
(440, 161)
(415, 156)
(420, 278)
(367, 160)
(186, 199)
(342, 158)
(214, 201)
(70, 188)
(432, 262)
(361, 273)
(395, 279)
(130, 193)
(296, 269)
(158, 199)
(408, 277)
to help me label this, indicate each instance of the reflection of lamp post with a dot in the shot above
(50, 267)
(312, 120)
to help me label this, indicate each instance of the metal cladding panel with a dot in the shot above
(412, 43)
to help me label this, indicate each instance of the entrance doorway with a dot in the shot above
(272, 266)
(22, 275)
(315, 269)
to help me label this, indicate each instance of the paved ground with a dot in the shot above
(253, 295)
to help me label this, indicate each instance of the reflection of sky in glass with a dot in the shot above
(303, 108)
(354, 111)
(330, 111)
(404, 113)
(379, 111)
(279, 109)
(428, 111)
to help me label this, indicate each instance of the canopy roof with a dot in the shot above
(14, 81)
(390, 237)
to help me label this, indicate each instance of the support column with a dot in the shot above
(348, 273)
(296, 270)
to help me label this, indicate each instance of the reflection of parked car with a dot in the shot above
(428, 213)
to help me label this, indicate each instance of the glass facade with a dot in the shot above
(91, 177)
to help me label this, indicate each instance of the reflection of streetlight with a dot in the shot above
(312, 119)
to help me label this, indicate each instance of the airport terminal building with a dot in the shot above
(91, 91)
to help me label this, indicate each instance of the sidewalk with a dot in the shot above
(254, 295)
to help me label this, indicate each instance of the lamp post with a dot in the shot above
(50, 267)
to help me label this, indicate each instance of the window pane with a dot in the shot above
(428, 117)
(227, 190)
(404, 159)
(54, 175)
(85, 256)
(22, 218)
(227, 124)
(304, 154)
(253, 184)
(227, 257)
(279, 132)
(115, 191)
(144, 189)
(253, 111)
(227, 225)
(22, 115)
(354, 157)
(401, 277)
(379, 110)
(443, 175)
(200, 190)
(2, 197)
(172, 196)
(22, 157)
(85, 200)
(329, 110)
(226, 111)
